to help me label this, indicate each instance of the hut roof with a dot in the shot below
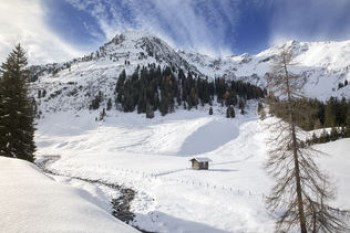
(201, 159)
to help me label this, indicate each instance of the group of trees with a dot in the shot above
(152, 88)
(329, 135)
(344, 84)
(16, 108)
(315, 114)
(310, 114)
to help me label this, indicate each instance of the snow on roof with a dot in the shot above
(201, 159)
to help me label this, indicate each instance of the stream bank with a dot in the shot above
(121, 205)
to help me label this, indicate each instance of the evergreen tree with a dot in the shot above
(347, 123)
(241, 105)
(324, 137)
(16, 112)
(102, 114)
(230, 112)
(330, 113)
(341, 112)
(149, 111)
(211, 111)
(314, 138)
(109, 104)
(261, 111)
(120, 86)
(230, 98)
(95, 103)
(334, 134)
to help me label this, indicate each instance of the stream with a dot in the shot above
(121, 205)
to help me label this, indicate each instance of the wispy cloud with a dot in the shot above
(198, 25)
(213, 27)
(22, 21)
(223, 26)
(311, 20)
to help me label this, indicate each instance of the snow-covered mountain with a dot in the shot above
(128, 49)
(325, 65)
(73, 84)
(152, 156)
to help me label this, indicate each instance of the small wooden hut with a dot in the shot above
(200, 163)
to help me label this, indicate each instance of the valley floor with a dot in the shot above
(152, 157)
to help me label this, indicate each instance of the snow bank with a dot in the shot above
(32, 202)
(336, 163)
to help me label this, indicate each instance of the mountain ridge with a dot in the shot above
(325, 66)
(141, 45)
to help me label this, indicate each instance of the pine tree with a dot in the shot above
(109, 104)
(119, 88)
(314, 138)
(324, 137)
(241, 105)
(149, 111)
(230, 112)
(334, 134)
(347, 123)
(261, 111)
(211, 111)
(16, 112)
(330, 113)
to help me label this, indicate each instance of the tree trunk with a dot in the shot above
(301, 214)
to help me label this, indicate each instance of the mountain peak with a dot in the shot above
(140, 45)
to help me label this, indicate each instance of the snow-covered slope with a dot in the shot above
(32, 202)
(152, 157)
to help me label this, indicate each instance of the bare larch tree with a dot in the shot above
(301, 191)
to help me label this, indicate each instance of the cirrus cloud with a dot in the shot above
(58, 30)
(196, 25)
(22, 21)
(312, 20)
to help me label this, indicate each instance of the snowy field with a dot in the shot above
(32, 202)
(152, 157)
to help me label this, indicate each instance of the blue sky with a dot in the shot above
(214, 26)
(57, 30)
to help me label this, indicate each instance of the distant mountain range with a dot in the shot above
(325, 66)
